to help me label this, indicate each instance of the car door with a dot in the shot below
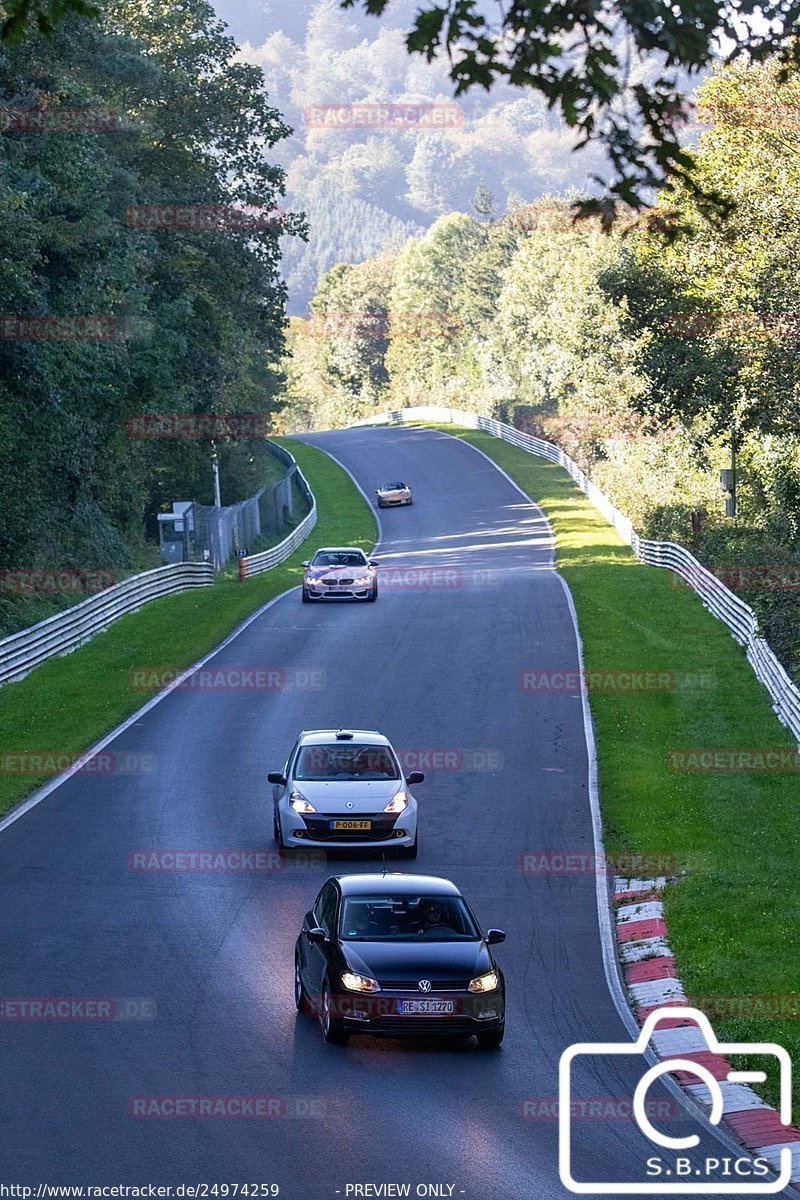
(323, 915)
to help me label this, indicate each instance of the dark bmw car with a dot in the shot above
(398, 954)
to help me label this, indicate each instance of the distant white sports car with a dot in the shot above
(340, 572)
(392, 494)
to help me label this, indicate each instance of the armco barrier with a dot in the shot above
(67, 630)
(253, 564)
(717, 598)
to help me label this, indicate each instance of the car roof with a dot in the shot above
(313, 737)
(394, 883)
(340, 550)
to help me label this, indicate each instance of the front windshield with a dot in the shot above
(393, 487)
(344, 761)
(339, 558)
(406, 919)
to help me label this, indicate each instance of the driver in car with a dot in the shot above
(433, 918)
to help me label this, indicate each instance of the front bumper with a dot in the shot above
(387, 502)
(387, 829)
(377, 1014)
(339, 592)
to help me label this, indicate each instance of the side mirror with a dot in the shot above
(373, 562)
(493, 936)
(316, 935)
(415, 777)
(305, 563)
(276, 777)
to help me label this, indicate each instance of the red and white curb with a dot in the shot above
(650, 973)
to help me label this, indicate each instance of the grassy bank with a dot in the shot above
(67, 703)
(734, 919)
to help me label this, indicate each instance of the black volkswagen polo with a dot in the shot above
(398, 954)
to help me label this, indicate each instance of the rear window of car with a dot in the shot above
(346, 761)
(405, 918)
(339, 558)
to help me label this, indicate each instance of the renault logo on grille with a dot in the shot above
(424, 985)
(349, 804)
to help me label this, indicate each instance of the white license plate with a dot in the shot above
(425, 1007)
(345, 825)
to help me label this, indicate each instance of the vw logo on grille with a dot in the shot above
(424, 985)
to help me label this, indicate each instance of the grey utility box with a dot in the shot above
(175, 532)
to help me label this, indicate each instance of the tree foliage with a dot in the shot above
(645, 357)
(586, 61)
(196, 314)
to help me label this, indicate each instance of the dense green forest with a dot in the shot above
(102, 121)
(642, 353)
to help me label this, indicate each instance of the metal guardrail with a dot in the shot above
(254, 564)
(717, 598)
(67, 630)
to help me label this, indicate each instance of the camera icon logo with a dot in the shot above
(597, 1050)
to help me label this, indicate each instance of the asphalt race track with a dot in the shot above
(435, 665)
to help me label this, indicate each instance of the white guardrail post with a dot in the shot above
(66, 631)
(717, 598)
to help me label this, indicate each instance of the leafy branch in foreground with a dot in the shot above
(616, 71)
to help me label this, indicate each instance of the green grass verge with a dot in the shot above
(66, 704)
(734, 919)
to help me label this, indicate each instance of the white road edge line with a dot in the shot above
(47, 789)
(607, 935)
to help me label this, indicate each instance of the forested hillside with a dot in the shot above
(105, 126)
(371, 185)
(643, 354)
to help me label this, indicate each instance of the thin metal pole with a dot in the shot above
(215, 468)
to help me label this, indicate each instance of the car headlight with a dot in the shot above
(363, 581)
(298, 802)
(359, 983)
(484, 983)
(398, 802)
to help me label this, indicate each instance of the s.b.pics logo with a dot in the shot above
(690, 1052)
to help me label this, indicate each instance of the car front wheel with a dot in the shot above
(276, 831)
(373, 596)
(301, 1004)
(332, 1029)
(491, 1039)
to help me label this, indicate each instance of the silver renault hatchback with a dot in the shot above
(343, 789)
